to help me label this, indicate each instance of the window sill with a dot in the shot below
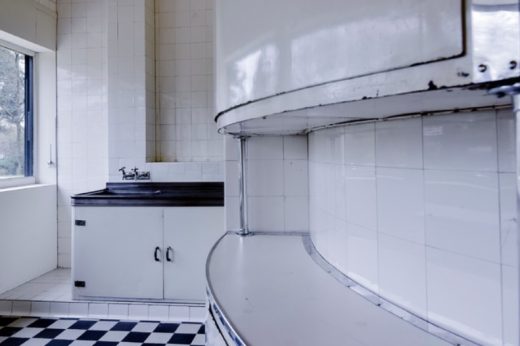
(16, 182)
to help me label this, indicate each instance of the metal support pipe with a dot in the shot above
(516, 113)
(244, 226)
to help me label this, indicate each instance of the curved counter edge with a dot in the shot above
(232, 337)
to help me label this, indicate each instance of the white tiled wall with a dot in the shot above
(82, 107)
(106, 100)
(85, 309)
(184, 54)
(49, 4)
(277, 176)
(423, 211)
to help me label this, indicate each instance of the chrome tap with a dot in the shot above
(126, 176)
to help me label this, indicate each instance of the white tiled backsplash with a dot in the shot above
(423, 212)
(184, 55)
(278, 189)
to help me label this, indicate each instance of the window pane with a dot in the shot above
(12, 113)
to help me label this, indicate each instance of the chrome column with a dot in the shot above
(244, 226)
(516, 112)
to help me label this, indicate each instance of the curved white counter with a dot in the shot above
(265, 289)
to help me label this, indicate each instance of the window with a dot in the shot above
(16, 114)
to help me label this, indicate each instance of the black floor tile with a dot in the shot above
(92, 335)
(42, 323)
(13, 341)
(9, 331)
(82, 325)
(124, 326)
(49, 333)
(136, 337)
(184, 339)
(166, 328)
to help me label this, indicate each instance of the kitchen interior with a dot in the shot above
(230, 172)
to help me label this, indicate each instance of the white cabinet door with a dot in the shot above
(114, 252)
(190, 232)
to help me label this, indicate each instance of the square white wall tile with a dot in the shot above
(198, 313)
(400, 203)
(21, 308)
(362, 252)
(462, 213)
(464, 293)
(158, 312)
(6, 307)
(119, 311)
(296, 214)
(78, 309)
(295, 147)
(360, 141)
(399, 143)
(508, 219)
(506, 141)
(461, 142)
(337, 243)
(59, 308)
(265, 178)
(40, 309)
(296, 178)
(361, 196)
(138, 311)
(232, 178)
(179, 313)
(510, 292)
(266, 213)
(232, 213)
(264, 148)
(402, 273)
(98, 310)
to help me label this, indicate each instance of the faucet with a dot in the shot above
(141, 175)
(126, 176)
(134, 174)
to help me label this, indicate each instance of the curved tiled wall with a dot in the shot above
(423, 212)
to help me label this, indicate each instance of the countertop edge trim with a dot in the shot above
(417, 321)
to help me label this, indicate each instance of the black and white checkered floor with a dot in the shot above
(31, 331)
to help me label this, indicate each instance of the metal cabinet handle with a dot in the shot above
(168, 251)
(157, 253)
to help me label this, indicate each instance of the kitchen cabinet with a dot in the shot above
(143, 252)
(189, 234)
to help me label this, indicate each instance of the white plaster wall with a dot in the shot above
(28, 214)
(277, 190)
(28, 234)
(423, 212)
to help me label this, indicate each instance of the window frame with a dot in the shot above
(29, 131)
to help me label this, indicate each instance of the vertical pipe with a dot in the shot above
(244, 227)
(516, 112)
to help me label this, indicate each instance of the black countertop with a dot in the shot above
(199, 194)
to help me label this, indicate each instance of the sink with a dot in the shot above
(154, 194)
